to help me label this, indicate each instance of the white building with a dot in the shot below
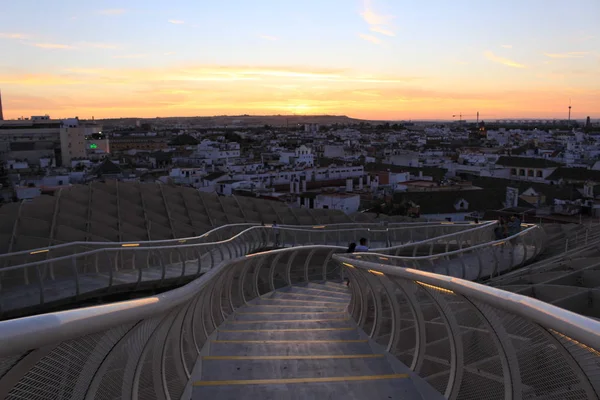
(305, 156)
(76, 140)
(403, 159)
(187, 176)
(217, 151)
(346, 202)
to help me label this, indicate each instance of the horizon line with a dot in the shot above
(315, 116)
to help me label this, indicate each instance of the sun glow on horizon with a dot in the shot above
(377, 63)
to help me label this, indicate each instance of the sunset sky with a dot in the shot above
(373, 59)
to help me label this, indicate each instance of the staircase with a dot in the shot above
(300, 343)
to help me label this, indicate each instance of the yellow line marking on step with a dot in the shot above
(290, 312)
(287, 320)
(327, 357)
(287, 306)
(287, 330)
(301, 380)
(290, 341)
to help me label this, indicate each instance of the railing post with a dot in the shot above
(74, 265)
(37, 267)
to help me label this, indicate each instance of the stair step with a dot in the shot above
(288, 301)
(308, 297)
(220, 348)
(342, 322)
(296, 315)
(337, 287)
(389, 387)
(290, 334)
(244, 369)
(338, 295)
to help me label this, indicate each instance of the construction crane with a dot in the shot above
(460, 116)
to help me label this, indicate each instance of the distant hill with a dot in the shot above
(250, 120)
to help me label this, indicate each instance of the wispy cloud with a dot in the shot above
(507, 46)
(170, 53)
(128, 56)
(380, 23)
(369, 38)
(176, 21)
(570, 54)
(113, 11)
(53, 46)
(501, 60)
(13, 36)
(382, 30)
(268, 37)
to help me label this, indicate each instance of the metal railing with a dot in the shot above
(471, 341)
(217, 234)
(104, 271)
(475, 259)
(467, 340)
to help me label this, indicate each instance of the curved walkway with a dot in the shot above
(418, 333)
(43, 285)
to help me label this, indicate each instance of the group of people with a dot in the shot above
(507, 227)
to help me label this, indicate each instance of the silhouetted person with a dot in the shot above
(351, 248)
(362, 247)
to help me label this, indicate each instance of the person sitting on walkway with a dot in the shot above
(351, 248)
(500, 230)
(362, 247)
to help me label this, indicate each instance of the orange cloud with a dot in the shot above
(501, 60)
(380, 23)
(382, 30)
(13, 36)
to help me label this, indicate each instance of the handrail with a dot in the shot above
(182, 245)
(480, 226)
(48, 322)
(448, 253)
(583, 329)
(214, 231)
